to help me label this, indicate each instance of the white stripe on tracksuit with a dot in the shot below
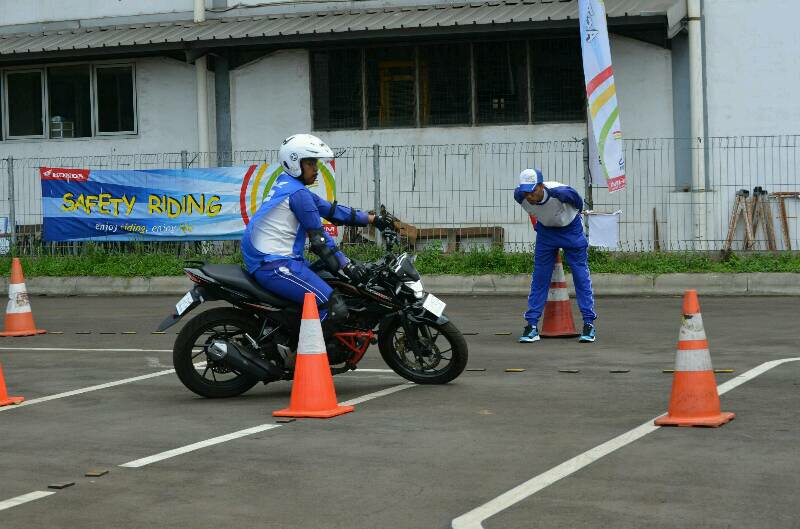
(302, 284)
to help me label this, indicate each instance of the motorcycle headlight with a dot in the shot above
(416, 288)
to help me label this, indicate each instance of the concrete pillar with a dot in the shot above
(698, 132)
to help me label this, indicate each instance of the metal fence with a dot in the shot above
(460, 196)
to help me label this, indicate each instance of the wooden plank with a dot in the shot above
(784, 221)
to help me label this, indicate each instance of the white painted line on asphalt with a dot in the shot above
(25, 498)
(86, 390)
(197, 446)
(474, 518)
(249, 431)
(381, 393)
(85, 349)
(128, 381)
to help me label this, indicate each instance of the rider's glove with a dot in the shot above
(354, 271)
(383, 222)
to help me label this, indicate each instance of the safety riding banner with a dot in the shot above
(160, 204)
(601, 94)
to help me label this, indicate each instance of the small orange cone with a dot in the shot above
(313, 394)
(5, 400)
(19, 318)
(557, 319)
(694, 400)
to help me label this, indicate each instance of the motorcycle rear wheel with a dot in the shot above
(445, 343)
(212, 381)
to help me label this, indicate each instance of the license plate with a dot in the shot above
(183, 304)
(434, 305)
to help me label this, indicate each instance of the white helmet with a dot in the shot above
(300, 146)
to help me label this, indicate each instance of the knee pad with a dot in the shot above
(337, 308)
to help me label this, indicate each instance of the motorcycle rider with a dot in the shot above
(274, 240)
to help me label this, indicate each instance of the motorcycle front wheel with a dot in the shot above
(441, 357)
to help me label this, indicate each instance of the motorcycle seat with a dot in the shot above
(236, 277)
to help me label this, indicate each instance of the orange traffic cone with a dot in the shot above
(313, 394)
(557, 319)
(5, 400)
(694, 400)
(19, 318)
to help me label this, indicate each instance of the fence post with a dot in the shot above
(376, 179)
(184, 159)
(12, 213)
(588, 200)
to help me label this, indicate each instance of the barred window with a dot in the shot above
(444, 84)
(485, 83)
(502, 82)
(558, 87)
(337, 89)
(391, 87)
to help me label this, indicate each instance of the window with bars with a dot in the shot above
(445, 84)
(558, 87)
(391, 87)
(501, 82)
(336, 79)
(480, 83)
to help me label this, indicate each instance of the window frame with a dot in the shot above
(7, 118)
(95, 113)
(43, 69)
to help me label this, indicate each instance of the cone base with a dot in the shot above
(10, 401)
(712, 421)
(566, 333)
(322, 414)
(29, 332)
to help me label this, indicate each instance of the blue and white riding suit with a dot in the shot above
(274, 240)
(558, 225)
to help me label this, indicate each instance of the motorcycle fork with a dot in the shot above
(412, 341)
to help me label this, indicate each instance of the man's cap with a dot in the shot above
(529, 179)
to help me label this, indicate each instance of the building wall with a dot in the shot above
(462, 182)
(14, 12)
(752, 67)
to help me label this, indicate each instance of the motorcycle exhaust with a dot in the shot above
(242, 361)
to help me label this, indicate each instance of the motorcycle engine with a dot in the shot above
(337, 352)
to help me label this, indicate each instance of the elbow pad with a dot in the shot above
(318, 244)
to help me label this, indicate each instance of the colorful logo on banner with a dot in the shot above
(259, 179)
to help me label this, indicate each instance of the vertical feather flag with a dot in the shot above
(601, 94)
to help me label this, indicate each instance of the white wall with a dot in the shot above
(752, 67)
(643, 74)
(13, 12)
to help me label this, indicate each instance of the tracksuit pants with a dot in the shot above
(576, 251)
(291, 279)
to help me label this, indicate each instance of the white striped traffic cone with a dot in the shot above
(557, 319)
(19, 318)
(313, 394)
(694, 400)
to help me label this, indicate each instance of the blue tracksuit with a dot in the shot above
(274, 240)
(558, 225)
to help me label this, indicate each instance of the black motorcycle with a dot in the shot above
(225, 351)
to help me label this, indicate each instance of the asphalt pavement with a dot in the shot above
(101, 395)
